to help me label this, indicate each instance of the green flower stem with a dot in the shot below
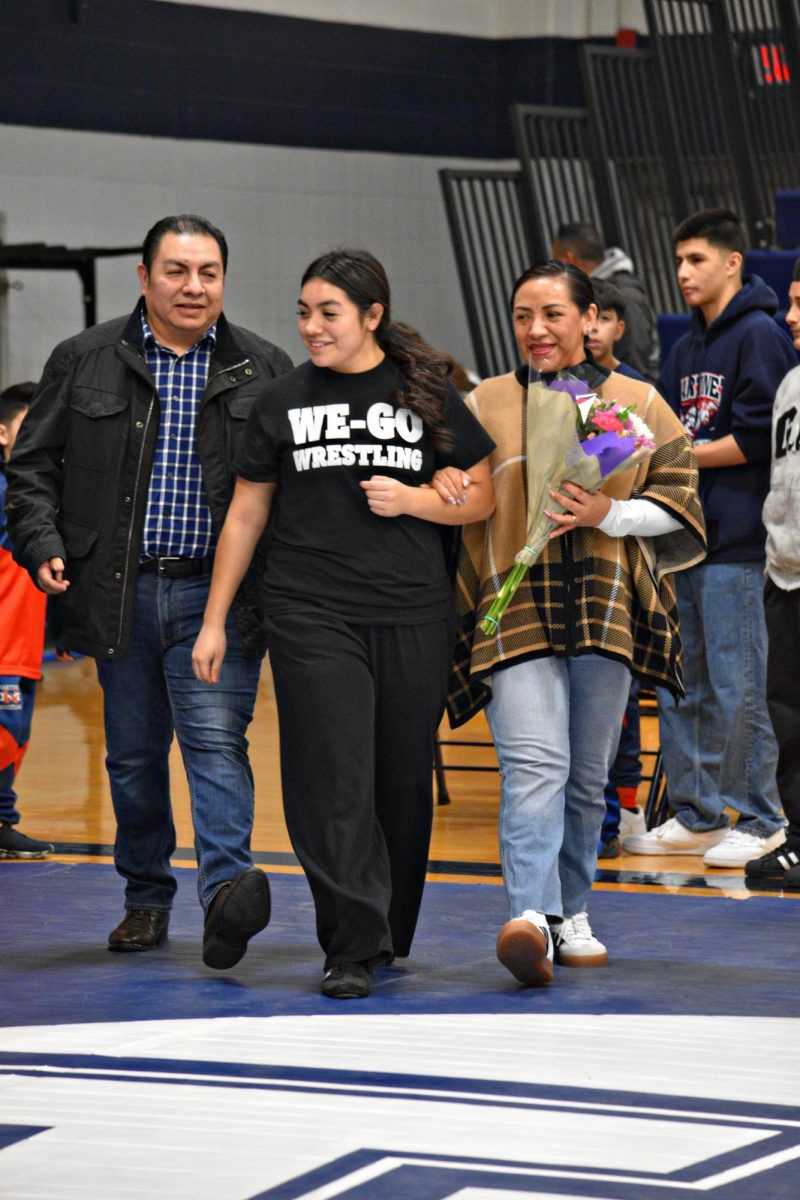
(537, 540)
(491, 621)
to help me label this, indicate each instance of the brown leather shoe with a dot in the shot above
(141, 929)
(238, 910)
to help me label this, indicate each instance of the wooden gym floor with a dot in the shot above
(64, 796)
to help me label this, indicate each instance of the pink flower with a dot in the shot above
(607, 421)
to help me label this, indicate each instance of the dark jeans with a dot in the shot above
(150, 694)
(358, 707)
(626, 769)
(17, 696)
(782, 612)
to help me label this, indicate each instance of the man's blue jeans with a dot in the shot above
(151, 693)
(718, 745)
(555, 724)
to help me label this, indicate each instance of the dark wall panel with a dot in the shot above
(136, 66)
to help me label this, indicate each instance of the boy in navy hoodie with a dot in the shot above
(720, 378)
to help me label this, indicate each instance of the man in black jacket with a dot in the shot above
(117, 493)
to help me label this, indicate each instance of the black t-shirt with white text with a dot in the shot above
(317, 434)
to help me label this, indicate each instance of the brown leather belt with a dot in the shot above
(177, 568)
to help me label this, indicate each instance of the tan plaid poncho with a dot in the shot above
(587, 593)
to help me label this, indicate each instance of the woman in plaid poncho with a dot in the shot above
(596, 607)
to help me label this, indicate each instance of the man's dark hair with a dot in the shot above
(14, 400)
(796, 271)
(719, 226)
(583, 240)
(185, 223)
(608, 296)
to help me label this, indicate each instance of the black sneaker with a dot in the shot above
(776, 864)
(347, 981)
(14, 844)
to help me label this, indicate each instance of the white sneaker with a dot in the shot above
(672, 838)
(631, 820)
(525, 948)
(738, 847)
(576, 945)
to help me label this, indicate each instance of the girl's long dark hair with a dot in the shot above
(363, 280)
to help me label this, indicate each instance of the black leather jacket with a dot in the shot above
(80, 473)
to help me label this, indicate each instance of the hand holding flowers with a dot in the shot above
(576, 508)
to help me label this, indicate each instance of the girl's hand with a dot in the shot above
(586, 509)
(386, 497)
(208, 653)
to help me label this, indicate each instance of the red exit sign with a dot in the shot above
(769, 61)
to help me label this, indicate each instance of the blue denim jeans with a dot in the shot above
(718, 744)
(17, 696)
(626, 769)
(555, 724)
(150, 694)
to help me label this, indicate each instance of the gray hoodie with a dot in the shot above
(781, 514)
(638, 346)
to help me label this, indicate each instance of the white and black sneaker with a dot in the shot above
(776, 864)
(576, 945)
(525, 948)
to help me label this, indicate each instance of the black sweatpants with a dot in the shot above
(782, 612)
(358, 709)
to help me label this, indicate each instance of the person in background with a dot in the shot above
(590, 612)
(721, 378)
(608, 330)
(623, 814)
(358, 602)
(117, 493)
(581, 245)
(782, 611)
(22, 618)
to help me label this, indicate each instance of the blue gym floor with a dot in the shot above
(674, 1070)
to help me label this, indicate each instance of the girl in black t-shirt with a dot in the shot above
(357, 599)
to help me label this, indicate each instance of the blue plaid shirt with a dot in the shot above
(177, 521)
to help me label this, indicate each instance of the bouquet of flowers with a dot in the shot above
(572, 435)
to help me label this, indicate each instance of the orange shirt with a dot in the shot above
(22, 611)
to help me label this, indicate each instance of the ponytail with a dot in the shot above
(425, 372)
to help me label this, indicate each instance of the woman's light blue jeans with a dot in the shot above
(555, 724)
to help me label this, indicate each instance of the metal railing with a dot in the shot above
(564, 175)
(631, 128)
(731, 71)
(491, 242)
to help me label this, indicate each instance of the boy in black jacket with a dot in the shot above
(720, 378)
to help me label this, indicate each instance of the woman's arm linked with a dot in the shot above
(389, 498)
(244, 524)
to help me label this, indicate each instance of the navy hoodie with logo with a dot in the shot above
(721, 379)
